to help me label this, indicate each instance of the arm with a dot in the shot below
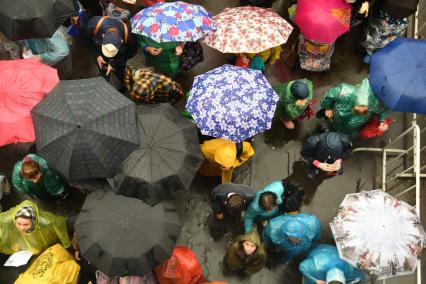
(53, 183)
(249, 218)
(17, 179)
(216, 202)
(308, 149)
(86, 32)
(307, 267)
(383, 115)
(330, 97)
(347, 146)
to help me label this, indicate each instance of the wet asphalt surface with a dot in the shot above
(277, 157)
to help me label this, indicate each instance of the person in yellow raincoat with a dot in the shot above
(221, 156)
(25, 227)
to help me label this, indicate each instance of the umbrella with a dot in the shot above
(398, 75)
(143, 3)
(378, 233)
(248, 29)
(23, 83)
(175, 21)
(124, 236)
(400, 9)
(323, 20)
(85, 128)
(232, 103)
(23, 19)
(167, 160)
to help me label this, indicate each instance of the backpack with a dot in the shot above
(117, 13)
(99, 24)
(192, 55)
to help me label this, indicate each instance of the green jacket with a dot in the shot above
(236, 259)
(167, 62)
(49, 229)
(343, 97)
(287, 107)
(49, 185)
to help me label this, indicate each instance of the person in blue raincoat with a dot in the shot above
(324, 265)
(292, 234)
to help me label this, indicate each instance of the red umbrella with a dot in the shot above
(23, 83)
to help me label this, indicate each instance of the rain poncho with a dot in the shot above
(287, 104)
(49, 229)
(343, 98)
(167, 62)
(255, 212)
(221, 152)
(280, 228)
(237, 260)
(324, 263)
(49, 185)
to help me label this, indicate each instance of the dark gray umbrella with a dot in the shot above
(167, 159)
(85, 128)
(22, 19)
(125, 236)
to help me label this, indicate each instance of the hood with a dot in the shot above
(335, 274)
(363, 93)
(252, 236)
(15, 209)
(226, 154)
(294, 228)
(275, 187)
(330, 147)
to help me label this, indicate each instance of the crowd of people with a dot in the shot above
(255, 223)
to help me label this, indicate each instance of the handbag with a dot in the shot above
(371, 128)
(192, 54)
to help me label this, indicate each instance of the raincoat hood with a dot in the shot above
(363, 93)
(335, 274)
(226, 155)
(333, 145)
(294, 228)
(31, 204)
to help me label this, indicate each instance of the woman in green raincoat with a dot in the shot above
(25, 227)
(295, 97)
(349, 108)
(164, 56)
(32, 176)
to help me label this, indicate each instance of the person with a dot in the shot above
(360, 10)
(9, 50)
(163, 56)
(258, 61)
(314, 56)
(222, 156)
(26, 227)
(348, 108)
(324, 265)
(111, 43)
(33, 176)
(53, 51)
(246, 253)
(292, 234)
(326, 151)
(295, 97)
(145, 86)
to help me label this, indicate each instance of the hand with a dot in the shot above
(153, 50)
(74, 20)
(109, 69)
(320, 282)
(244, 58)
(219, 216)
(38, 57)
(337, 165)
(100, 61)
(364, 9)
(77, 255)
(179, 49)
(300, 103)
(383, 126)
(326, 167)
(329, 113)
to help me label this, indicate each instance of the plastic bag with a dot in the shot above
(54, 266)
(192, 55)
(371, 128)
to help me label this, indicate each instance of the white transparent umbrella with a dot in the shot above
(378, 233)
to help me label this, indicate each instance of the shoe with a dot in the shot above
(288, 124)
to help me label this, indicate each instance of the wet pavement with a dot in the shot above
(277, 156)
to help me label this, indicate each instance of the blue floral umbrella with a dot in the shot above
(232, 103)
(175, 21)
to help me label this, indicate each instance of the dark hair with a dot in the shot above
(267, 201)
(239, 147)
(293, 195)
(235, 204)
(30, 169)
(335, 282)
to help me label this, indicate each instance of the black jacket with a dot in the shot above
(326, 147)
(220, 193)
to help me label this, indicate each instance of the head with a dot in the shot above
(294, 230)
(335, 275)
(31, 170)
(360, 109)
(25, 219)
(111, 42)
(299, 90)
(235, 204)
(267, 201)
(293, 195)
(249, 247)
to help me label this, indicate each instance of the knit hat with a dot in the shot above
(111, 43)
(299, 90)
(294, 228)
(27, 212)
(335, 274)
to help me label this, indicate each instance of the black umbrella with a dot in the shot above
(85, 128)
(167, 159)
(22, 19)
(125, 236)
(400, 8)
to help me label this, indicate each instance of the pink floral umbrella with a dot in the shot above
(248, 30)
(323, 20)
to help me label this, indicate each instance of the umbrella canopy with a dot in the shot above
(167, 160)
(143, 3)
(85, 128)
(323, 20)
(378, 233)
(22, 19)
(398, 75)
(125, 236)
(400, 9)
(175, 21)
(248, 29)
(232, 103)
(23, 84)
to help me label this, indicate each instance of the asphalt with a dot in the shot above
(277, 156)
